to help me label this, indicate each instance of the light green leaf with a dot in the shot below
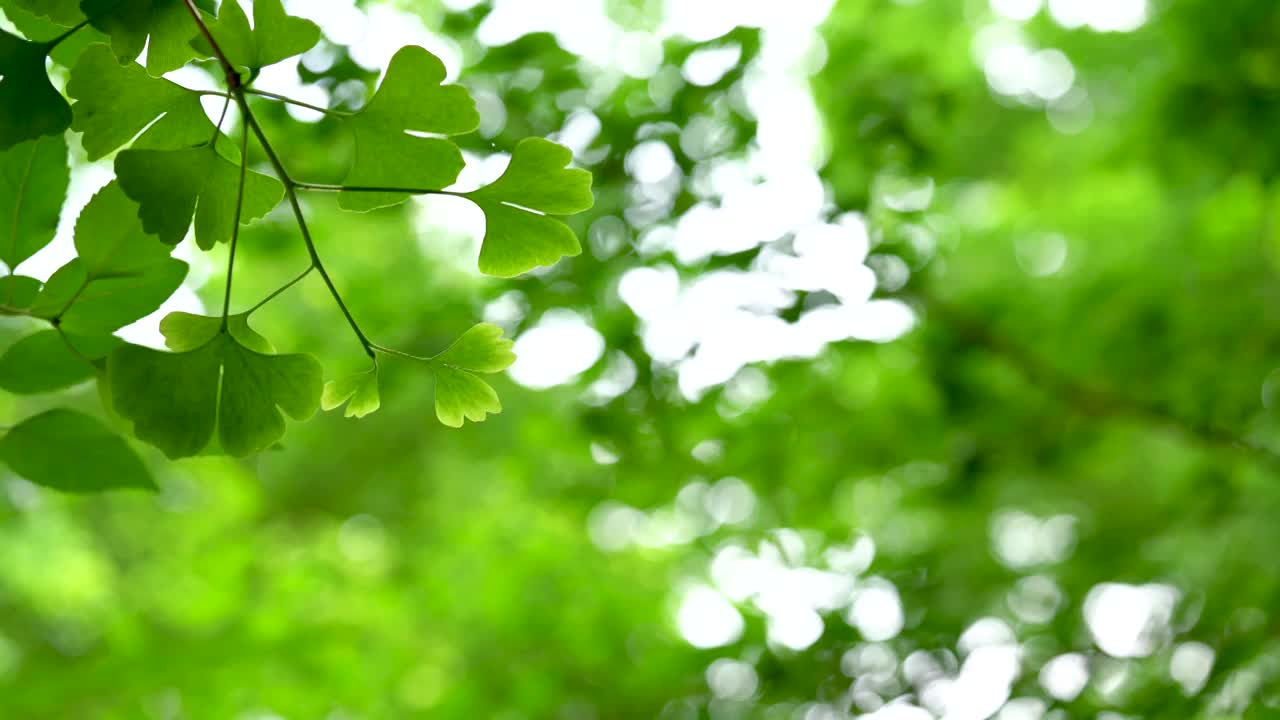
(29, 104)
(91, 305)
(109, 237)
(172, 185)
(72, 452)
(175, 401)
(17, 292)
(273, 37)
(410, 98)
(129, 23)
(361, 389)
(115, 102)
(460, 395)
(33, 184)
(45, 361)
(480, 349)
(60, 12)
(459, 392)
(519, 235)
(184, 331)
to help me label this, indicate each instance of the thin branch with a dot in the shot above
(401, 353)
(1086, 399)
(323, 187)
(74, 350)
(299, 103)
(276, 293)
(229, 70)
(235, 229)
(217, 129)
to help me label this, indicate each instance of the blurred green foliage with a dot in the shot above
(1070, 459)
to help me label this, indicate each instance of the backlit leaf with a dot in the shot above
(115, 102)
(130, 23)
(359, 392)
(47, 361)
(410, 98)
(92, 305)
(109, 237)
(274, 36)
(519, 232)
(460, 393)
(172, 185)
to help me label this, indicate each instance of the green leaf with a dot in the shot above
(109, 237)
(33, 184)
(92, 305)
(29, 104)
(480, 349)
(115, 102)
(45, 361)
(459, 392)
(361, 389)
(184, 331)
(60, 12)
(130, 23)
(410, 98)
(72, 452)
(519, 235)
(41, 29)
(274, 36)
(172, 185)
(18, 291)
(175, 401)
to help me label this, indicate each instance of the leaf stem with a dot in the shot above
(237, 89)
(323, 187)
(217, 129)
(235, 229)
(275, 293)
(299, 103)
(401, 353)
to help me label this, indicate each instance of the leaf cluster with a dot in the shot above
(219, 386)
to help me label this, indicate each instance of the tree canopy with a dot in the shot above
(622, 359)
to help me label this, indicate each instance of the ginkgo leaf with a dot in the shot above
(460, 393)
(109, 237)
(50, 360)
(33, 183)
(129, 24)
(60, 12)
(70, 451)
(29, 104)
(89, 304)
(184, 331)
(115, 102)
(410, 99)
(175, 400)
(519, 233)
(37, 28)
(480, 349)
(359, 392)
(172, 185)
(274, 36)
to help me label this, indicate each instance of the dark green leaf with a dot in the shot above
(172, 185)
(29, 104)
(115, 102)
(175, 401)
(109, 237)
(72, 452)
(94, 305)
(48, 361)
(61, 12)
(17, 292)
(130, 23)
(274, 36)
(33, 184)
(519, 235)
(410, 98)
